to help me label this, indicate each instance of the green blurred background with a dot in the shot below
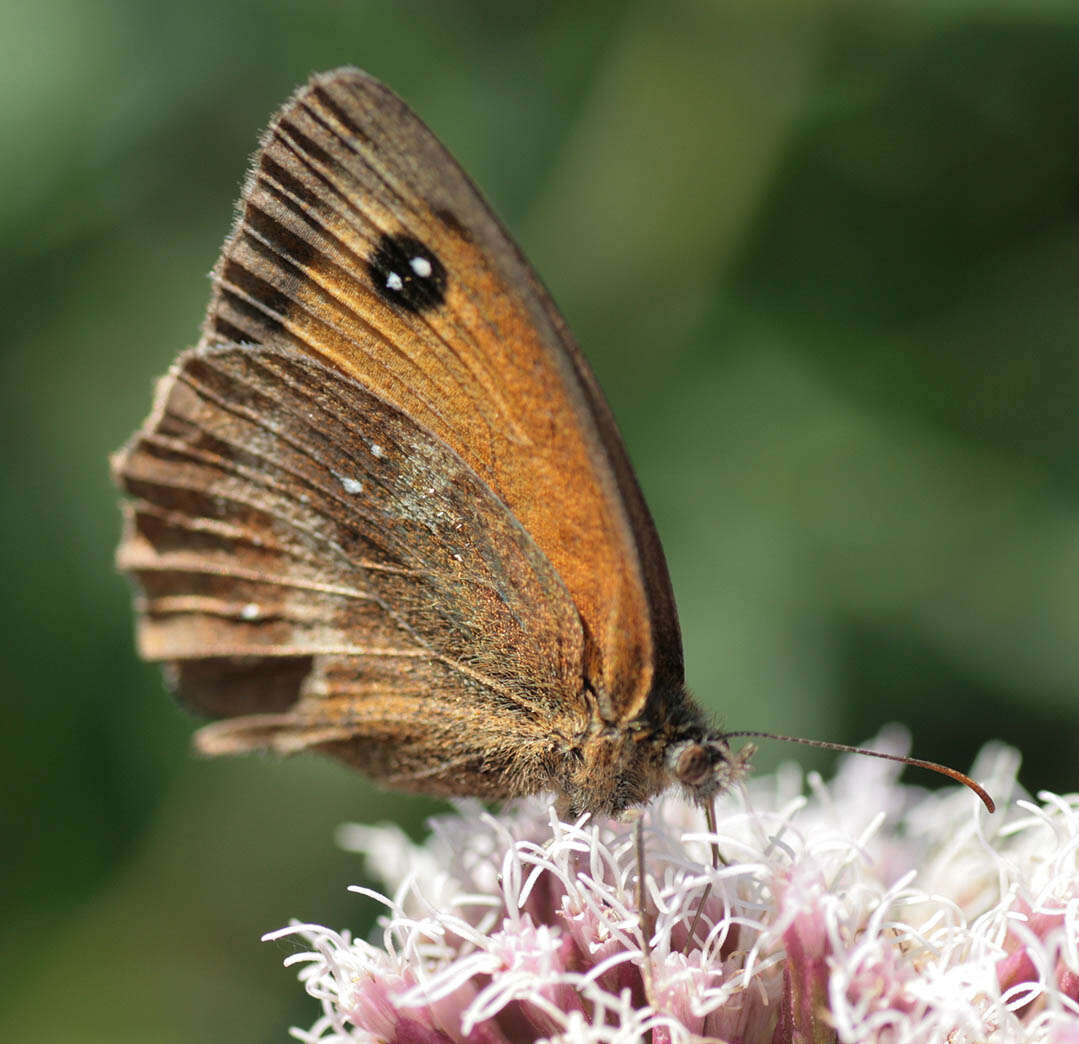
(824, 259)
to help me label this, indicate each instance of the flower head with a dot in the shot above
(867, 911)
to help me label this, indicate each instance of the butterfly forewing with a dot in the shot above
(361, 243)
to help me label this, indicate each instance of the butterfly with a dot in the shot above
(382, 511)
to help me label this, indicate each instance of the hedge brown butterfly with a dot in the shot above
(382, 510)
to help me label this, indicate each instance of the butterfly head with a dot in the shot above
(707, 765)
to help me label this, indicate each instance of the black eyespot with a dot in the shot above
(407, 274)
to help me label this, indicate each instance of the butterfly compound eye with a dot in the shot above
(693, 764)
(407, 274)
(706, 765)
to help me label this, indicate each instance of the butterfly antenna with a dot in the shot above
(647, 920)
(717, 858)
(933, 766)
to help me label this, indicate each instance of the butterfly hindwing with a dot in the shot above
(343, 576)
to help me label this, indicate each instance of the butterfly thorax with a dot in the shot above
(616, 766)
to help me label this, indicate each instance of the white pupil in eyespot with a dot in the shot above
(394, 281)
(421, 266)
